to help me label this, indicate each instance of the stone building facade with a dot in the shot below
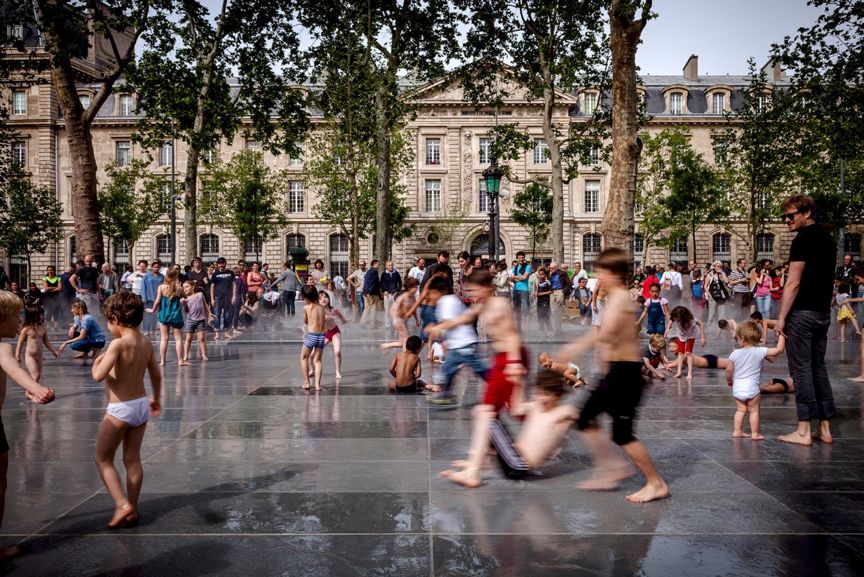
(450, 138)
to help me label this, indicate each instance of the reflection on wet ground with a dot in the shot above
(245, 474)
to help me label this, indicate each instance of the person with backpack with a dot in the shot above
(716, 287)
(521, 295)
(697, 294)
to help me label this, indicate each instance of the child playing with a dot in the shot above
(167, 304)
(845, 314)
(399, 312)
(10, 306)
(657, 311)
(743, 374)
(197, 314)
(122, 367)
(314, 341)
(85, 334)
(686, 325)
(543, 290)
(31, 340)
(653, 357)
(332, 334)
(570, 370)
(546, 423)
(620, 390)
(438, 352)
(406, 369)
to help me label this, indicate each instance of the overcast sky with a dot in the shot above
(723, 33)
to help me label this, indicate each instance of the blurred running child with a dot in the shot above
(399, 312)
(197, 315)
(743, 374)
(314, 341)
(10, 306)
(687, 328)
(122, 367)
(32, 337)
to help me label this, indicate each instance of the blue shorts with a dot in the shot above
(314, 340)
(655, 327)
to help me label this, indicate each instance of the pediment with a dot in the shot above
(448, 90)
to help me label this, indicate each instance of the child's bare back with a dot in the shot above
(405, 367)
(314, 317)
(543, 431)
(123, 365)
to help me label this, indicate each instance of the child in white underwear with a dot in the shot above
(743, 374)
(122, 367)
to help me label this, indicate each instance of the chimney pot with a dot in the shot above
(691, 68)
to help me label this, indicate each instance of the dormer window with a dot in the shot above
(125, 108)
(718, 103)
(676, 103)
(590, 100)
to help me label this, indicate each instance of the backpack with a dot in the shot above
(697, 290)
(718, 290)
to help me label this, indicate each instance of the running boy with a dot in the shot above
(620, 390)
(122, 367)
(31, 339)
(10, 306)
(744, 372)
(399, 313)
(546, 423)
(406, 369)
(313, 341)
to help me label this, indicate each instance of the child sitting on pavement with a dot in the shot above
(546, 423)
(406, 369)
(743, 374)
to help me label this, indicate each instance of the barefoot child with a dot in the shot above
(405, 368)
(546, 423)
(122, 367)
(570, 371)
(399, 312)
(653, 357)
(333, 334)
(31, 339)
(845, 314)
(10, 306)
(620, 390)
(687, 328)
(197, 314)
(85, 334)
(314, 320)
(657, 310)
(167, 304)
(743, 374)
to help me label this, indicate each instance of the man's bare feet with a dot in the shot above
(739, 435)
(757, 437)
(9, 552)
(823, 435)
(465, 477)
(797, 439)
(649, 493)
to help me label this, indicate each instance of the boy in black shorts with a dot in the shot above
(620, 390)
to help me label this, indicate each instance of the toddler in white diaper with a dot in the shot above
(122, 367)
(743, 374)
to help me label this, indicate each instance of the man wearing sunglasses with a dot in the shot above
(805, 314)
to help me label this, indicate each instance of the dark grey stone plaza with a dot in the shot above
(246, 474)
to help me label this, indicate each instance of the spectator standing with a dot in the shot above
(671, 284)
(371, 294)
(289, 282)
(521, 287)
(108, 282)
(716, 290)
(391, 284)
(85, 283)
(560, 287)
(356, 281)
(149, 287)
(739, 281)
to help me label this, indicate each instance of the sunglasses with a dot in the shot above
(789, 215)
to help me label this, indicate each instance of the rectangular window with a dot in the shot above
(167, 192)
(541, 151)
(433, 195)
(675, 103)
(718, 102)
(721, 246)
(252, 248)
(594, 155)
(483, 197)
(85, 101)
(125, 105)
(19, 153)
(121, 251)
(163, 247)
(210, 245)
(296, 159)
(433, 151)
(19, 102)
(15, 31)
(339, 255)
(761, 103)
(252, 144)
(638, 244)
(210, 155)
(592, 196)
(483, 156)
(590, 102)
(123, 152)
(678, 250)
(295, 196)
(166, 154)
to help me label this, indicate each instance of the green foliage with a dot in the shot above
(532, 210)
(245, 196)
(130, 201)
(29, 214)
(455, 214)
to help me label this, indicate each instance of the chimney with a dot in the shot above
(774, 71)
(691, 68)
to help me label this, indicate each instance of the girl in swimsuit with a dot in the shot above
(332, 334)
(167, 304)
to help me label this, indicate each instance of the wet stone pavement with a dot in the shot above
(247, 475)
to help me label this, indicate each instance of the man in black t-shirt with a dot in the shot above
(805, 315)
(223, 296)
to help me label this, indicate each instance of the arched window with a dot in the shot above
(293, 241)
(721, 247)
(209, 244)
(764, 246)
(338, 256)
(852, 245)
(592, 244)
(480, 247)
(163, 248)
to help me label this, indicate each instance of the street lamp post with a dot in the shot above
(492, 175)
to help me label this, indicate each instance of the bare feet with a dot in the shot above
(739, 435)
(123, 516)
(307, 386)
(757, 437)
(858, 379)
(80, 356)
(338, 375)
(466, 478)
(161, 363)
(649, 493)
(797, 439)
(677, 375)
(205, 358)
(824, 436)
(9, 552)
(182, 363)
(606, 479)
(459, 464)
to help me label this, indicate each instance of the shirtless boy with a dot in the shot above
(406, 369)
(10, 306)
(314, 340)
(546, 423)
(31, 338)
(122, 367)
(620, 390)
(399, 311)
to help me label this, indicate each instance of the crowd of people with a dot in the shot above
(471, 316)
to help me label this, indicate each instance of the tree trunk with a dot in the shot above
(382, 208)
(190, 201)
(617, 226)
(557, 227)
